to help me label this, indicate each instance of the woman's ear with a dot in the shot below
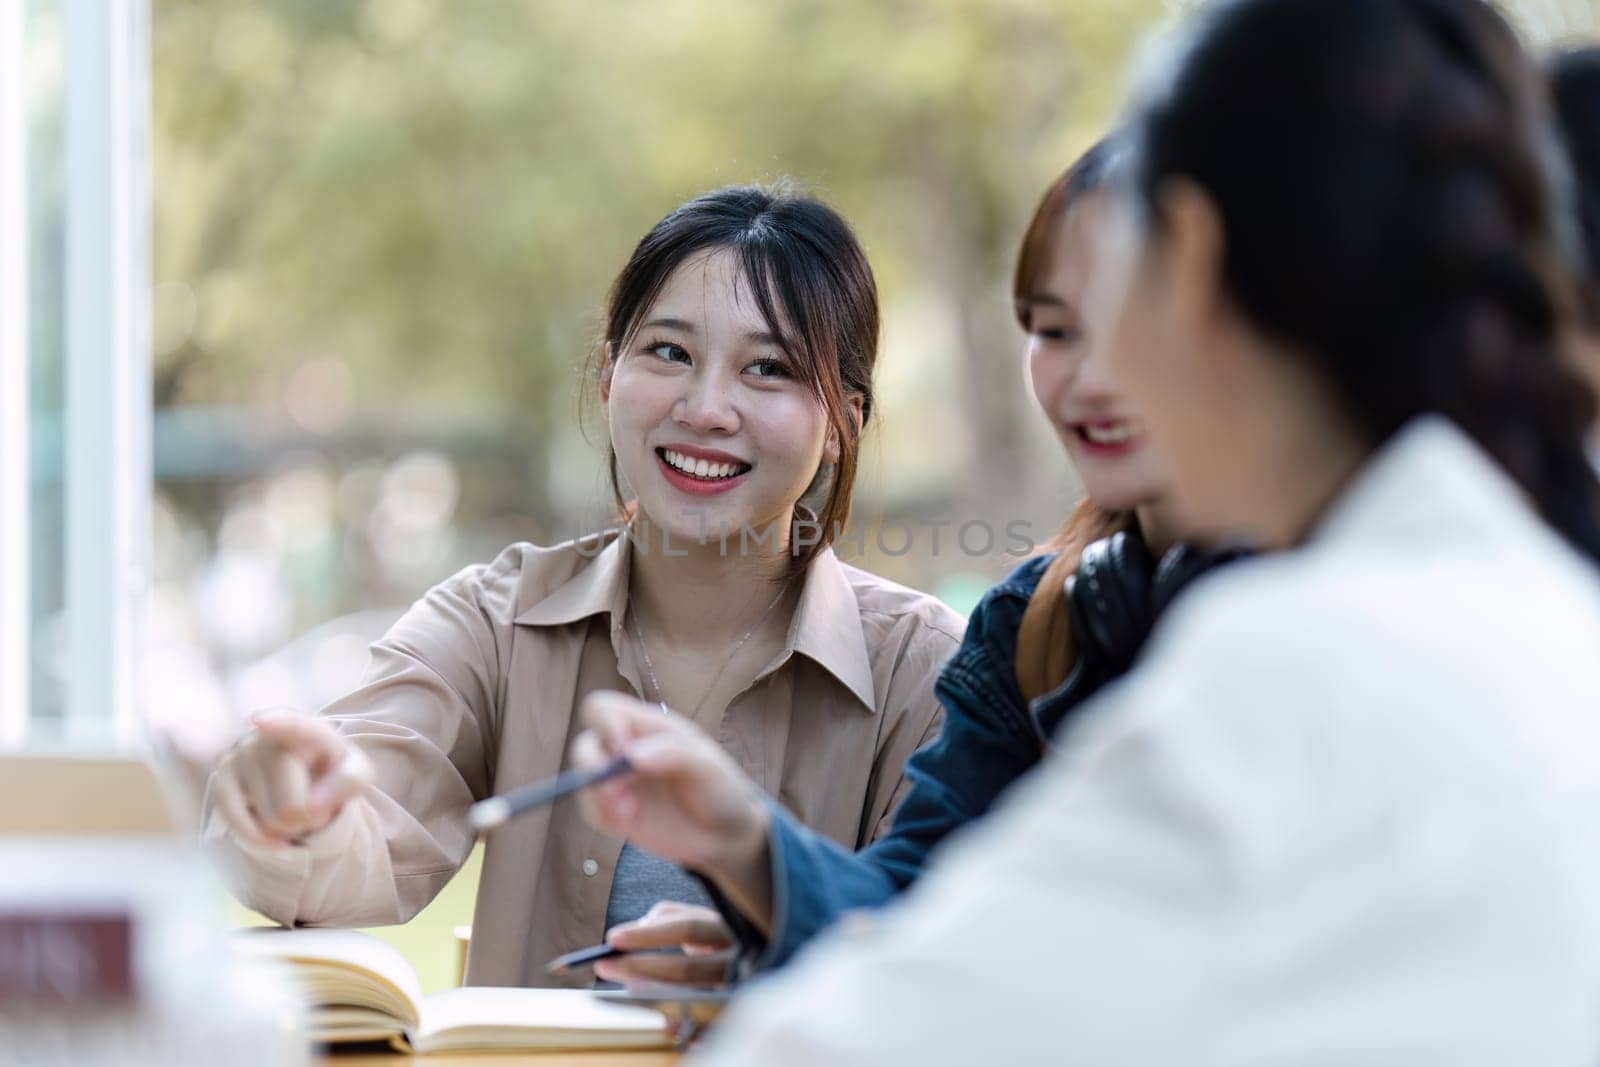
(830, 449)
(608, 364)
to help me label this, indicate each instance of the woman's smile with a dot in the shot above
(1108, 438)
(699, 471)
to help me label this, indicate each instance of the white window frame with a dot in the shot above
(107, 414)
(14, 488)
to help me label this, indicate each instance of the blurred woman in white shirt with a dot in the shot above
(1346, 809)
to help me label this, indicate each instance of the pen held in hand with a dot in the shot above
(594, 953)
(580, 958)
(490, 813)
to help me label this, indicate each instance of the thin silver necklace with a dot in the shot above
(650, 668)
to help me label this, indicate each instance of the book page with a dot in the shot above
(502, 1017)
(343, 967)
(333, 1026)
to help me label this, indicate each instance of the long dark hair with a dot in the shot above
(814, 288)
(1575, 88)
(1383, 173)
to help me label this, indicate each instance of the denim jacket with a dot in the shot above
(987, 742)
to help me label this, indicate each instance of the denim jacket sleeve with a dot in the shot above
(987, 742)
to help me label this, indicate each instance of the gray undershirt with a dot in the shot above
(643, 879)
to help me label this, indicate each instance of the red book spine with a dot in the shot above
(65, 959)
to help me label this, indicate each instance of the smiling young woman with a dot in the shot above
(735, 372)
(1033, 654)
(744, 319)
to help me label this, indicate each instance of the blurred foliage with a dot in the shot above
(440, 192)
(414, 207)
(436, 196)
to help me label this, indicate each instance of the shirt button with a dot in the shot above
(591, 868)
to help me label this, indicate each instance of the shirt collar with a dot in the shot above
(1429, 480)
(826, 627)
(601, 587)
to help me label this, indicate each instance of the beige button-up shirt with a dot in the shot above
(473, 692)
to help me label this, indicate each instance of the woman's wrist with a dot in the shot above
(744, 870)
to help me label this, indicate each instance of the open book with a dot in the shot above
(360, 989)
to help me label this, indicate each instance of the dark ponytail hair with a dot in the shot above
(1575, 87)
(1383, 173)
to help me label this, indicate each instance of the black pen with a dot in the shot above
(487, 814)
(580, 958)
(594, 953)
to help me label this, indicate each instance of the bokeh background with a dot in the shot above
(384, 229)
(383, 232)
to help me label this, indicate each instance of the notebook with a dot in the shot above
(359, 988)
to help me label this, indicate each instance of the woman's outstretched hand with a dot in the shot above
(287, 778)
(685, 800)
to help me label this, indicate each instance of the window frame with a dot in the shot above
(108, 430)
(106, 408)
(14, 486)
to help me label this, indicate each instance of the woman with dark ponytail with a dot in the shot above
(1405, 251)
(1343, 809)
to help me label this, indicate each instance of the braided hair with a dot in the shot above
(1389, 211)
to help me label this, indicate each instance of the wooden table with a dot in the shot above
(500, 1059)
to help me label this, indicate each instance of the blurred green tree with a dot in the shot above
(435, 195)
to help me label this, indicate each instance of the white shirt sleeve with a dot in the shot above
(1203, 875)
